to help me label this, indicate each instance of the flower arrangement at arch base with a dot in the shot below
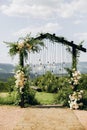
(75, 99)
(20, 82)
(25, 95)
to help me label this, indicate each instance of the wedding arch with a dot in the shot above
(30, 44)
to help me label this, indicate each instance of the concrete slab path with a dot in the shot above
(16, 118)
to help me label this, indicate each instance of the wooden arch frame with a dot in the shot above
(54, 38)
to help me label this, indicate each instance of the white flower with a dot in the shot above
(21, 90)
(20, 79)
(76, 106)
(74, 98)
(73, 69)
(81, 91)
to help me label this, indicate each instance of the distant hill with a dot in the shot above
(58, 68)
(5, 76)
(82, 67)
(7, 70)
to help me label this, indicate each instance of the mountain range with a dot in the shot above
(7, 70)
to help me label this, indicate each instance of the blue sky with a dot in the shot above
(67, 18)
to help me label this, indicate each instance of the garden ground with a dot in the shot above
(35, 118)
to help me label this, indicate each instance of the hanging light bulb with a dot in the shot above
(39, 59)
(52, 71)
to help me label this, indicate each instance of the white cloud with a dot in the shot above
(81, 36)
(44, 8)
(72, 8)
(78, 22)
(49, 27)
(30, 8)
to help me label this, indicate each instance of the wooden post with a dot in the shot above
(21, 63)
(74, 58)
(21, 59)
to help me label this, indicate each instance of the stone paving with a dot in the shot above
(49, 119)
(45, 118)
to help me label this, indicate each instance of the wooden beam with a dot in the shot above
(54, 38)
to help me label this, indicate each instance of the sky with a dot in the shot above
(67, 18)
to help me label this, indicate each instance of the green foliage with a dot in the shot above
(50, 82)
(63, 96)
(11, 84)
(85, 99)
(13, 98)
(29, 96)
(4, 86)
(24, 45)
(64, 91)
(7, 86)
(46, 82)
(83, 82)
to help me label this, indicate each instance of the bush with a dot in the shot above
(83, 82)
(63, 96)
(7, 86)
(85, 99)
(11, 84)
(50, 82)
(3, 86)
(29, 97)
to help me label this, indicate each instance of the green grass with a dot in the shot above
(45, 98)
(42, 97)
(6, 98)
(3, 94)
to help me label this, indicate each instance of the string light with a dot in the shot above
(51, 58)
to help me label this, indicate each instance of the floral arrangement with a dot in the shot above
(75, 99)
(20, 80)
(74, 78)
(22, 45)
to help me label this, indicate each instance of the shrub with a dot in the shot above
(83, 82)
(63, 96)
(3, 86)
(85, 99)
(29, 98)
(11, 84)
(7, 86)
(50, 82)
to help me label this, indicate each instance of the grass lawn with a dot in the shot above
(6, 98)
(4, 94)
(45, 98)
(42, 97)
